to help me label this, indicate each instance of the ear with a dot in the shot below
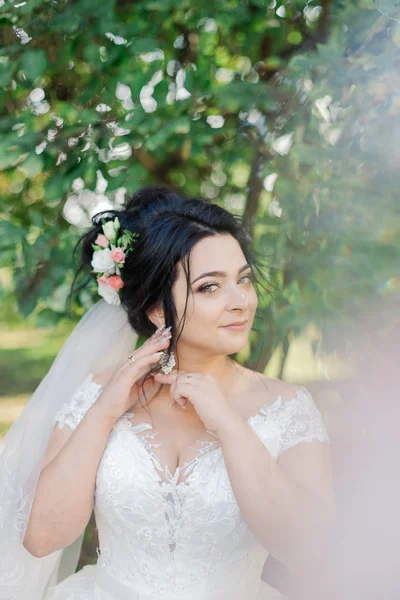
(156, 316)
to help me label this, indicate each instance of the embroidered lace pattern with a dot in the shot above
(179, 534)
(72, 412)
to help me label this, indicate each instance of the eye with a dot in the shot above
(206, 287)
(249, 275)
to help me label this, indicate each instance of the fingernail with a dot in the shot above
(168, 329)
(159, 330)
(157, 353)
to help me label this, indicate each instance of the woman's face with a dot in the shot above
(216, 300)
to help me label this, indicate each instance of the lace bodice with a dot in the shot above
(182, 535)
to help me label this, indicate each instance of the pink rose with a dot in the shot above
(118, 255)
(101, 240)
(115, 282)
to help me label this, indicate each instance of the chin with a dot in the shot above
(236, 347)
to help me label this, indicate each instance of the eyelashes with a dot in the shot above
(204, 288)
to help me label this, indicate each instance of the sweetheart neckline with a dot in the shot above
(172, 478)
(262, 411)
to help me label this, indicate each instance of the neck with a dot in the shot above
(221, 367)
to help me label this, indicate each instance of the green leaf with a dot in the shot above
(53, 188)
(143, 45)
(48, 318)
(160, 92)
(9, 159)
(36, 218)
(6, 71)
(33, 63)
(7, 257)
(179, 126)
(91, 54)
(10, 234)
(33, 164)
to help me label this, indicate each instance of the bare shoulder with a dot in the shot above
(265, 390)
(285, 389)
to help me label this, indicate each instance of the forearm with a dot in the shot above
(287, 519)
(64, 496)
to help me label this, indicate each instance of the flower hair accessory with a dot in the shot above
(109, 252)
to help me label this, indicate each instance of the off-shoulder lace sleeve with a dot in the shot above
(299, 420)
(74, 409)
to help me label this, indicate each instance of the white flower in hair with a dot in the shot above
(110, 229)
(102, 262)
(109, 294)
(108, 261)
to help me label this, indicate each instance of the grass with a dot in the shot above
(26, 355)
(4, 427)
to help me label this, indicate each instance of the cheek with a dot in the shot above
(204, 308)
(202, 312)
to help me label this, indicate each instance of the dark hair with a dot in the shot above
(169, 225)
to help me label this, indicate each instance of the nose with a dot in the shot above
(237, 299)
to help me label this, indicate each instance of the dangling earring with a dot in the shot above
(167, 361)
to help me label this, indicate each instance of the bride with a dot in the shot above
(196, 467)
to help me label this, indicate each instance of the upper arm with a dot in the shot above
(309, 465)
(71, 413)
(305, 453)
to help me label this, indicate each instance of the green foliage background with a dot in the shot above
(285, 112)
(117, 95)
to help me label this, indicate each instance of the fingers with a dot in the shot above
(169, 378)
(182, 402)
(141, 362)
(178, 387)
(154, 343)
(157, 343)
(177, 394)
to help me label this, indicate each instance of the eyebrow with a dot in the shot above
(219, 273)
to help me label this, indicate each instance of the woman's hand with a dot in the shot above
(205, 393)
(116, 397)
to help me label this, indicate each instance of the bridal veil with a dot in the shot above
(102, 339)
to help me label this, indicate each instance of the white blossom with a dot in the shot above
(102, 262)
(109, 294)
(109, 231)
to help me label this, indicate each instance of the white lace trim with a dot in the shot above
(72, 412)
(206, 446)
(280, 426)
(297, 420)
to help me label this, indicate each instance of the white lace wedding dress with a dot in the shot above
(182, 535)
